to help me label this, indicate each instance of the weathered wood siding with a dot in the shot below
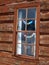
(6, 38)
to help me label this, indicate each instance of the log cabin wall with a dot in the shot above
(6, 33)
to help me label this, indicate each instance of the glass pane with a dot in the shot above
(31, 13)
(20, 37)
(21, 13)
(20, 49)
(30, 50)
(21, 25)
(23, 49)
(31, 25)
(31, 38)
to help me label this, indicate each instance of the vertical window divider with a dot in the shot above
(26, 32)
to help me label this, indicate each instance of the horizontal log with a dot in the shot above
(5, 54)
(1, 63)
(9, 17)
(44, 15)
(6, 37)
(4, 9)
(6, 47)
(44, 39)
(44, 59)
(6, 27)
(44, 24)
(45, 6)
(15, 61)
(10, 8)
(44, 10)
(44, 62)
(46, 1)
(10, 1)
(44, 49)
(44, 31)
(45, 54)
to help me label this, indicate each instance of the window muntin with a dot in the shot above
(26, 38)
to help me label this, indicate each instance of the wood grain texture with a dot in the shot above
(9, 17)
(44, 38)
(6, 27)
(6, 47)
(44, 26)
(6, 37)
(7, 58)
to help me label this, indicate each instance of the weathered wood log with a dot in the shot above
(10, 1)
(9, 17)
(44, 24)
(44, 31)
(5, 54)
(6, 37)
(44, 3)
(14, 61)
(44, 27)
(6, 27)
(5, 47)
(44, 15)
(7, 9)
(44, 51)
(44, 60)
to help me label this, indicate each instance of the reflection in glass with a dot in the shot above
(23, 49)
(19, 49)
(31, 13)
(31, 38)
(31, 25)
(21, 25)
(20, 37)
(23, 38)
(21, 13)
(29, 50)
(28, 25)
(26, 38)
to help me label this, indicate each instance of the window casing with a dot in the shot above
(26, 30)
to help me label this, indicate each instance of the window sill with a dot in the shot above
(27, 58)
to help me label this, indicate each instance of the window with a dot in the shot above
(26, 30)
